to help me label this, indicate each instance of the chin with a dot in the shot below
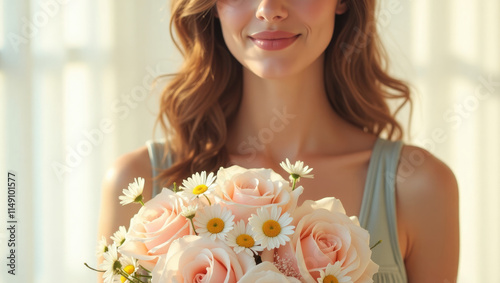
(272, 71)
(273, 76)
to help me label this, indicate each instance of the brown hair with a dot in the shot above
(206, 92)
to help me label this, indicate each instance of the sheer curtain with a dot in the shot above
(449, 51)
(76, 92)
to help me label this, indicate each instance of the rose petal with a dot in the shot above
(196, 258)
(324, 235)
(243, 191)
(266, 272)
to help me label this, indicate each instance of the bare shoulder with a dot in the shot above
(422, 175)
(426, 186)
(123, 171)
(427, 208)
(127, 167)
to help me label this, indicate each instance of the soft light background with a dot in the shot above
(75, 93)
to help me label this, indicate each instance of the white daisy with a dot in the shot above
(189, 211)
(297, 170)
(102, 246)
(130, 266)
(133, 193)
(198, 185)
(119, 236)
(110, 264)
(334, 274)
(214, 222)
(241, 239)
(271, 229)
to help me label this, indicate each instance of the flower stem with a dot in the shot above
(209, 202)
(141, 202)
(376, 244)
(145, 269)
(256, 257)
(93, 268)
(136, 277)
(128, 276)
(294, 183)
(192, 224)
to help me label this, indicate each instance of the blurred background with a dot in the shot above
(76, 92)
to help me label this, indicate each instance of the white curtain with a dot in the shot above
(76, 92)
(449, 50)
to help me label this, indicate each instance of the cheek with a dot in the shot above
(314, 8)
(233, 15)
(317, 15)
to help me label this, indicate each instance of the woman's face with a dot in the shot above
(278, 38)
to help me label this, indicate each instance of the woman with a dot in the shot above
(265, 80)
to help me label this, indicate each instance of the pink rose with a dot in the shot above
(153, 229)
(199, 259)
(244, 190)
(325, 234)
(266, 272)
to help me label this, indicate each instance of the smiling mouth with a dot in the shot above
(273, 40)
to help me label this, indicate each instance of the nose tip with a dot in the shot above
(271, 19)
(271, 11)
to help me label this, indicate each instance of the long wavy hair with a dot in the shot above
(204, 95)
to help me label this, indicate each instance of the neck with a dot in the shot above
(280, 118)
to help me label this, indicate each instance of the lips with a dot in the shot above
(273, 40)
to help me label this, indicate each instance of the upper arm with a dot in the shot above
(427, 204)
(122, 172)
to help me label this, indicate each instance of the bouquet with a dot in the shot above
(241, 225)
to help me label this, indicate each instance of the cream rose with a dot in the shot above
(153, 229)
(199, 259)
(266, 272)
(325, 234)
(244, 190)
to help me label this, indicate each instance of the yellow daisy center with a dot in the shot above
(129, 269)
(330, 279)
(215, 225)
(198, 190)
(271, 228)
(245, 240)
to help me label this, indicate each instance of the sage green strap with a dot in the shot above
(159, 162)
(378, 210)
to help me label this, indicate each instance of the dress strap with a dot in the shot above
(378, 209)
(159, 161)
